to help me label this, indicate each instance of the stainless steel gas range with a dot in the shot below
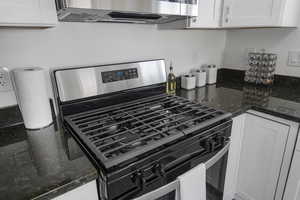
(138, 137)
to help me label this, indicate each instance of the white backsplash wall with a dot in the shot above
(71, 44)
(279, 41)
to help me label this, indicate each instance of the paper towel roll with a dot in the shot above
(32, 96)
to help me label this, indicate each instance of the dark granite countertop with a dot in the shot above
(40, 164)
(237, 97)
(46, 163)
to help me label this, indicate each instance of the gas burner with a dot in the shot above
(130, 129)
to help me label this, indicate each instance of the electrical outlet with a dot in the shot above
(5, 83)
(294, 58)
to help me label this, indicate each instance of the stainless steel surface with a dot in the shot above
(176, 24)
(78, 83)
(217, 157)
(149, 11)
(160, 192)
(128, 131)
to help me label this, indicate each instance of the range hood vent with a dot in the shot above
(135, 16)
(128, 11)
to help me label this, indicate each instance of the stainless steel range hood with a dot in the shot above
(127, 11)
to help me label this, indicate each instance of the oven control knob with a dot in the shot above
(224, 140)
(213, 145)
(159, 171)
(136, 176)
(207, 145)
(221, 140)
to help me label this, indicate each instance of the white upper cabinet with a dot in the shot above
(246, 14)
(209, 15)
(30, 13)
(261, 13)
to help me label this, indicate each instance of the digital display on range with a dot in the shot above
(119, 75)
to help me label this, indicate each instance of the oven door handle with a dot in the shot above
(160, 192)
(181, 159)
(217, 157)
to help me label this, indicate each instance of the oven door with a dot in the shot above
(163, 167)
(216, 170)
(215, 175)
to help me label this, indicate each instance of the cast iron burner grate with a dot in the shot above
(121, 132)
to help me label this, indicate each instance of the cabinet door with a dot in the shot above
(253, 13)
(298, 143)
(234, 156)
(292, 191)
(209, 14)
(261, 158)
(28, 13)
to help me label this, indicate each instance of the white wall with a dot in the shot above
(87, 44)
(278, 41)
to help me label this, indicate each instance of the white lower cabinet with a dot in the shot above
(261, 158)
(262, 149)
(298, 143)
(292, 191)
(87, 191)
(233, 157)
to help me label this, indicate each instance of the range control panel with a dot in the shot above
(119, 75)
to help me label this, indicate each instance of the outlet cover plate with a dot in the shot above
(5, 82)
(294, 58)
